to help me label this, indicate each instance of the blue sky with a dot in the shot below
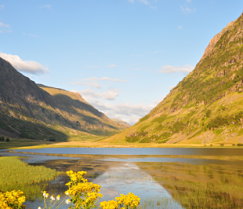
(123, 56)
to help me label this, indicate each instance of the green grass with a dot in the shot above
(18, 175)
(200, 186)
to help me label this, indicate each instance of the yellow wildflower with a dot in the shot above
(45, 194)
(83, 188)
(58, 197)
(76, 177)
(112, 204)
(129, 200)
(12, 199)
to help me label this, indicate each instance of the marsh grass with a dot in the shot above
(200, 186)
(18, 175)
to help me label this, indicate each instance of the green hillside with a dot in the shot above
(40, 112)
(207, 105)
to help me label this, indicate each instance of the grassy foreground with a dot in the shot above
(15, 174)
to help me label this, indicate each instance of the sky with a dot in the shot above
(122, 56)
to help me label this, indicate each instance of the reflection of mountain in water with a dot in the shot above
(130, 178)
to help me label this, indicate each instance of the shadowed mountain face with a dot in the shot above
(31, 111)
(207, 105)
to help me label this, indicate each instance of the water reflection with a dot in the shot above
(128, 177)
(139, 151)
(210, 186)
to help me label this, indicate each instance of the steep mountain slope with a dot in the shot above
(207, 105)
(31, 111)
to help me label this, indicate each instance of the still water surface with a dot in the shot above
(186, 180)
(138, 151)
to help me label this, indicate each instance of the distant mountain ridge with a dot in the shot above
(207, 105)
(29, 110)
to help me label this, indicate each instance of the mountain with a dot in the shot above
(207, 105)
(28, 110)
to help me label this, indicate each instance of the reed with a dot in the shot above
(18, 175)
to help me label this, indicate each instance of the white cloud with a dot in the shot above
(106, 102)
(173, 69)
(94, 81)
(187, 10)
(92, 96)
(4, 28)
(31, 35)
(112, 66)
(93, 84)
(46, 6)
(104, 79)
(145, 2)
(23, 65)
(3, 25)
(188, 1)
(148, 3)
(126, 112)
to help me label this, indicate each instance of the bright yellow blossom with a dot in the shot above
(112, 204)
(83, 194)
(11, 200)
(76, 177)
(130, 200)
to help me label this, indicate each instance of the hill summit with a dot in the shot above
(207, 105)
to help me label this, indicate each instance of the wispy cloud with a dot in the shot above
(2, 6)
(31, 35)
(104, 79)
(4, 28)
(101, 67)
(112, 66)
(130, 113)
(173, 69)
(91, 95)
(105, 102)
(179, 27)
(145, 2)
(95, 81)
(4, 25)
(149, 3)
(46, 6)
(187, 10)
(24, 65)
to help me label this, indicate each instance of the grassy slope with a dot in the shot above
(85, 114)
(81, 109)
(206, 106)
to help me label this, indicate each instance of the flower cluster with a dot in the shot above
(112, 204)
(83, 194)
(129, 201)
(12, 200)
(76, 177)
